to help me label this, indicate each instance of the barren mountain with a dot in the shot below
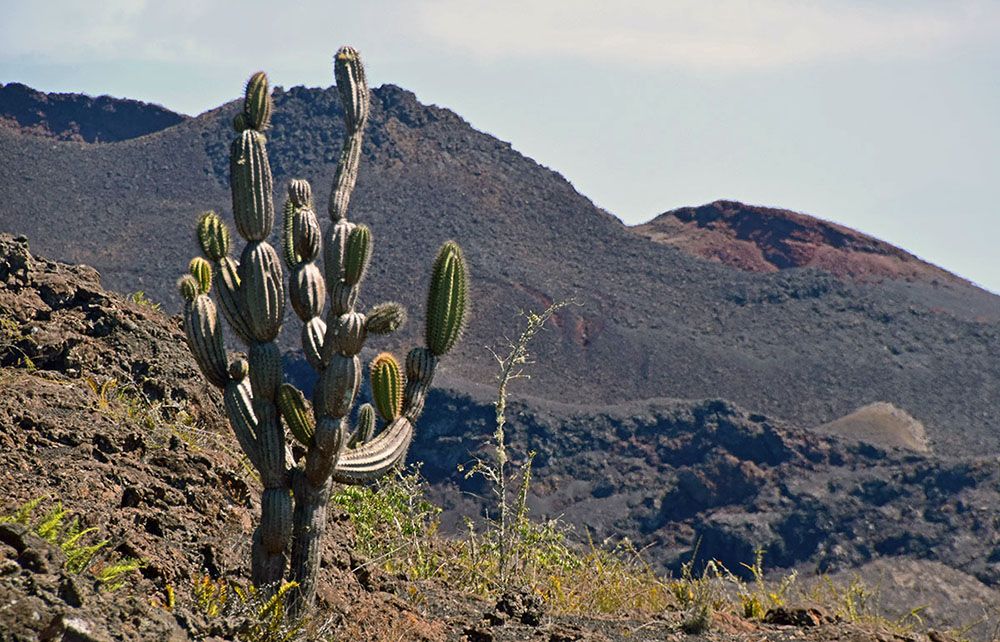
(75, 117)
(800, 344)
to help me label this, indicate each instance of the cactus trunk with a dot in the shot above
(310, 525)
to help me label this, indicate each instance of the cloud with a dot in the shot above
(727, 35)
(706, 34)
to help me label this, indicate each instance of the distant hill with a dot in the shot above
(76, 117)
(767, 239)
(801, 344)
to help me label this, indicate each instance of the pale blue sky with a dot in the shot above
(879, 115)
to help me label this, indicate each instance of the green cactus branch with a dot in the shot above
(251, 296)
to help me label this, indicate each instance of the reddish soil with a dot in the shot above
(765, 239)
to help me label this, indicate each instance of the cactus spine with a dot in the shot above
(251, 296)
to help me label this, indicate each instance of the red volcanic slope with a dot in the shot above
(765, 239)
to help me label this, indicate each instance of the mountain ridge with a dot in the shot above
(798, 344)
(79, 117)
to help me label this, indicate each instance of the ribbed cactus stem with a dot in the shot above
(188, 286)
(290, 255)
(204, 335)
(257, 103)
(250, 179)
(387, 386)
(447, 300)
(227, 282)
(262, 290)
(213, 236)
(201, 270)
(358, 254)
(365, 426)
(296, 413)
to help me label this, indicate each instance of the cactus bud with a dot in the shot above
(239, 122)
(257, 104)
(296, 413)
(188, 287)
(357, 254)
(201, 270)
(213, 236)
(447, 300)
(239, 369)
(387, 386)
(300, 192)
(386, 318)
(366, 426)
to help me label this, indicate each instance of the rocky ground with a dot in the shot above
(147, 462)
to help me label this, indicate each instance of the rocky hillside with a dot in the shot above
(800, 345)
(709, 479)
(146, 460)
(767, 239)
(80, 118)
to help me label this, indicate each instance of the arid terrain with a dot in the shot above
(731, 377)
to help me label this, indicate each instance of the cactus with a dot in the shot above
(251, 296)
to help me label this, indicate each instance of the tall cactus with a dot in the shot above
(251, 295)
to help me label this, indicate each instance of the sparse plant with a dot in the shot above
(699, 596)
(509, 533)
(758, 597)
(251, 295)
(139, 298)
(263, 616)
(83, 554)
(395, 523)
(11, 334)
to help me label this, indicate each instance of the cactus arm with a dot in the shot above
(239, 410)
(385, 318)
(377, 457)
(227, 282)
(295, 411)
(447, 299)
(355, 101)
(387, 386)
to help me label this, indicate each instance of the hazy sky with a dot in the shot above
(881, 115)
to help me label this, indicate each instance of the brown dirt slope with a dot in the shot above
(767, 239)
